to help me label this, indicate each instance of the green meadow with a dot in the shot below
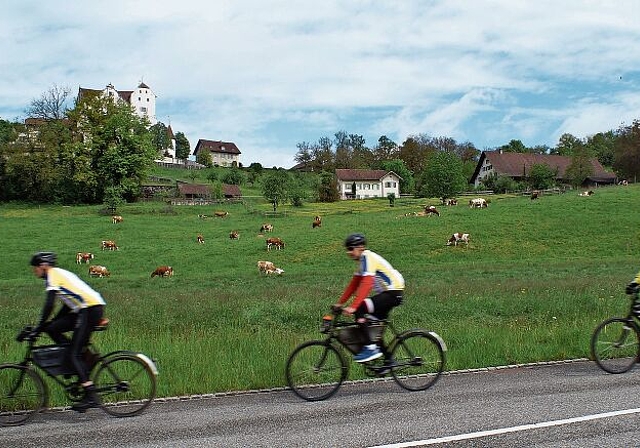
(536, 279)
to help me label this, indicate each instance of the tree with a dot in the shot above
(541, 176)
(117, 143)
(603, 145)
(204, 158)
(160, 137)
(328, 188)
(566, 145)
(443, 177)
(234, 176)
(627, 153)
(580, 167)
(182, 146)
(275, 187)
(51, 105)
(386, 149)
(514, 146)
(407, 183)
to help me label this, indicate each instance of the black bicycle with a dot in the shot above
(124, 380)
(414, 358)
(615, 344)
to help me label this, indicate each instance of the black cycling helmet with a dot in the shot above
(354, 240)
(44, 257)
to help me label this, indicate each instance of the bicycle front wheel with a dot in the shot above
(419, 356)
(615, 345)
(126, 385)
(22, 394)
(315, 370)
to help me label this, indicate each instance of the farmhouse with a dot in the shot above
(360, 184)
(222, 153)
(518, 166)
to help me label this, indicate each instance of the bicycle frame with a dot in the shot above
(376, 367)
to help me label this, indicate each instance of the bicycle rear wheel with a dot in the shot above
(419, 356)
(126, 385)
(615, 345)
(315, 370)
(22, 394)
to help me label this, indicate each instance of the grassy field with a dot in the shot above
(534, 282)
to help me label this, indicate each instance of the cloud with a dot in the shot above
(270, 74)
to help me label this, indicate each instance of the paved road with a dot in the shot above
(492, 408)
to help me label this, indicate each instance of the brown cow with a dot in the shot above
(220, 214)
(234, 235)
(83, 257)
(200, 239)
(264, 266)
(317, 222)
(431, 210)
(116, 219)
(98, 271)
(110, 245)
(276, 242)
(162, 271)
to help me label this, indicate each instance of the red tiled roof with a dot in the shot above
(216, 146)
(347, 175)
(231, 191)
(194, 189)
(516, 164)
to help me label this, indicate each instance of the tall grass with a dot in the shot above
(533, 283)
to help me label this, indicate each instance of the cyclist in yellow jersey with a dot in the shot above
(82, 309)
(374, 275)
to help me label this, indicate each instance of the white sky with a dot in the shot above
(269, 74)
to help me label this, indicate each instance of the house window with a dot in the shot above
(143, 110)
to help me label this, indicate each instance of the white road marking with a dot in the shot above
(495, 432)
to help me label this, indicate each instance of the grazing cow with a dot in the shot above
(317, 222)
(98, 271)
(200, 239)
(276, 271)
(478, 203)
(202, 216)
(452, 201)
(220, 214)
(276, 242)
(431, 210)
(83, 257)
(586, 193)
(109, 245)
(458, 238)
(234, 235)
(162, 271)
(266, 228)
(535, 195)
(264, 266)
(116, 219)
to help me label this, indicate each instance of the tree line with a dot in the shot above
(97, 151)
(420, 163)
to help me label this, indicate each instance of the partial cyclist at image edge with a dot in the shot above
(376, 287)
(632, 288)
(81, 310)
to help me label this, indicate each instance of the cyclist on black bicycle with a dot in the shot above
(374, 274)
(82, 309)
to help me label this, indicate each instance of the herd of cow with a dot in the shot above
(102, 271)
(457, 237)
(266, 267)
